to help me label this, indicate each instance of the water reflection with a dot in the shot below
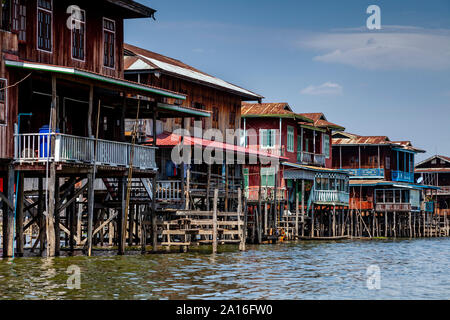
(410, 269)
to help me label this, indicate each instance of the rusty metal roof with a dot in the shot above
(321, 122)
(141, 60)
(355, 140)
(273, 110)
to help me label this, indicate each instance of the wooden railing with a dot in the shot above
(313, 158)
(36, 147)
(168, 190)
(267, 193)
(331, 196)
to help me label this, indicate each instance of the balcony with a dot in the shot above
(267, 193)
(35, 148)
(391, 207)
(364, 173)
(312, 158)
(402, 176)
(331, 196)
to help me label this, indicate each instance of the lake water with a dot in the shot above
(409, 269)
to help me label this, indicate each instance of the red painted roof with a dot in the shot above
(167, 139)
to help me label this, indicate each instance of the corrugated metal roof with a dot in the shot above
(431, 170)
(314, 168)
(278, 110)
(354, 140)
(148, 60)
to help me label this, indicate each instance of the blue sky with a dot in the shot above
(319, 57)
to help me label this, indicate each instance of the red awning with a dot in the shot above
(167, 139)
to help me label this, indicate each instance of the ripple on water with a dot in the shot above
(410, 269)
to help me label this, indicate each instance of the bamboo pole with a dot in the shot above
(214, 239)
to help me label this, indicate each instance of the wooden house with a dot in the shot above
(383, 192)
(435, 171)
(63, 105)
(304, 180)
(220, 105)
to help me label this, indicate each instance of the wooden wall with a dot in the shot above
(8, 45)
(61, 52)
(227, 103)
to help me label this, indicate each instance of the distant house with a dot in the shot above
(303, 140)
(435, 171)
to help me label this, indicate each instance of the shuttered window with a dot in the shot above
(290, 139)
(267, 138)
(78, 34)
(19, 19)
(299, 148)
(326, 145)
(45, 25)
(268, 177)
(109, 47)
(3, 85)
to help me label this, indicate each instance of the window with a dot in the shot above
(215, 117)
(326, 145)
(388, 163)
(109, 34)
(199, 106)
(299, 148)
(19, 19)
(3, 103)
(267, 138)
(45, 25)
(232, 119)
(290, 139)
(78, 34)
(268, 177)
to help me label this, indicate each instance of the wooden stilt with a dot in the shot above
(90, 211)
(214, 235)
(20, 215)
(57, 220)
(240, 226)
(8, 216)
(122, 216)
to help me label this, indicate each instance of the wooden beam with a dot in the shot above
(20, 215)
(214, 235)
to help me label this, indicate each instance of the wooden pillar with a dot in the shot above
(240, 222)
(226, 186)
(122, 216)
(312, 220)
(19, 215)
(8, 216)
(57, 220)
(130, 224)
(296, 209)
(90, 211)
(50, 229)
(154, 182)
(303, 208)
(214, 235)
(208, 188)
(72, 217)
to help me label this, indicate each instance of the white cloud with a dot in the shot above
(393, 47)
(327, 88)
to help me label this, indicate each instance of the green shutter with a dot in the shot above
(245, 178)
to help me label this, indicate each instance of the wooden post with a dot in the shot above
(208, 188)
(303, 208)
(214, 235)
(8, 216)
(395, 225)
(296, 210)
(50, 229)
(265, 218)
(90, 211)
(240, 225)
(122, 216)
(72, 220)
(334, 221)
(19, 215)
(226, 186)
(90, 110)
(57, 220)
(312, 220)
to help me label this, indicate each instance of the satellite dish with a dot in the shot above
(420, 180)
